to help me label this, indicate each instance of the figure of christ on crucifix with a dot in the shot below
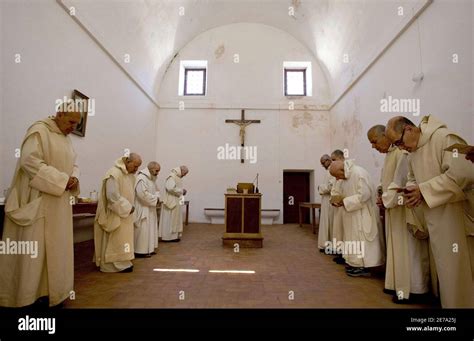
(242, 123)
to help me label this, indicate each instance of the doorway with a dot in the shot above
(296, 189)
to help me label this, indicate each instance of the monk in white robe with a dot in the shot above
(146, 220)
(39, 210)
(337, 226)
(469, 208)
(407, 261)
(436, 183)
(113, 227)
(363, 241)
(327, 214)
(469, 221)
(171, 218)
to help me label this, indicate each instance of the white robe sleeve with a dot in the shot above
(44, 178)
(357, 201)
(325, 188)
(336, 188)
(448, 186)
(76, 173)
(172, 188)
(147, 198)
(391, 197)
(411, 181)
(116, 202)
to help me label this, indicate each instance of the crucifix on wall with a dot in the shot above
(242, 123)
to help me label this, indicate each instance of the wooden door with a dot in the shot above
(295, 190)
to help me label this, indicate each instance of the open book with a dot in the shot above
(336, 198)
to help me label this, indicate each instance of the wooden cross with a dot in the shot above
(242, 123)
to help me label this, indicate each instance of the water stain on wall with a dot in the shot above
(219, 51)
(294, 6)
(321, 118)
(352, 126)
(296, 3)
(301, 119)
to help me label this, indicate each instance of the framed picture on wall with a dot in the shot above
(81, 102)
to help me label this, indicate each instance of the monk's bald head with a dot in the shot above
(337, 155)
(376, 130)
(67, 121)
(377, 138)
(132, 162)
(403, 133)
(337, 169)
(154, 168)
(184, 170)
(397, 123)
(325, 161)
(134, 157)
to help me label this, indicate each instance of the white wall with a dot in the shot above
(446, 91)
(152, 32)
(285, 139)
(348, 35)
(57, 56)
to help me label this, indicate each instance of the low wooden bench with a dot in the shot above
(88, 209)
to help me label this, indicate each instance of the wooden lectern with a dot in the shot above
(242, 220)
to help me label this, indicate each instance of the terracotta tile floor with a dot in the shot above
(288, 262)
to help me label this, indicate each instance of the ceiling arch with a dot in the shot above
(344, 36)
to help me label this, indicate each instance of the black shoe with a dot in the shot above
(142, 255)
(396, 300)
(339, 260)
(58, 306)
(129, 269)
(389, 291)
(172, 240)
(40, 304)
(322, 250)
(349, 269)
(427, 298)
(359, 272)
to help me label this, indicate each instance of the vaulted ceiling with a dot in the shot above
(344, 35)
